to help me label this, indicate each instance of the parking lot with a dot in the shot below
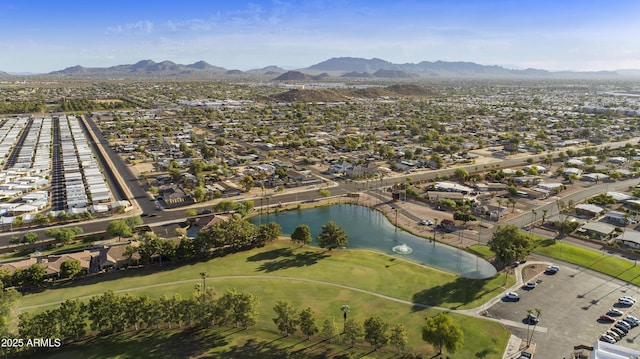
(571, 301)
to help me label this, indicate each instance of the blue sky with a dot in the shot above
(43, 35)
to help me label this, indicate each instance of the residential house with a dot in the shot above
(630, 239)
(597, 230)
(588, 210)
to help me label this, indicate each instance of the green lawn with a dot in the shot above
(482, 250)
(249, 344)
(600, 261)
(363, 270)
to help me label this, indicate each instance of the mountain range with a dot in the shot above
(338, 67)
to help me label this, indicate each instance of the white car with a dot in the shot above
(512, 296)
(529, 285)
(426, 222)
(607, 338)
(632, 299)
(613, 335)
(625, 301)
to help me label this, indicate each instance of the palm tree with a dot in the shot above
(538, 314)
(345, 309)
(529, 313)
(435, 230)
(544, 215)
(513, 204)
(203, 275)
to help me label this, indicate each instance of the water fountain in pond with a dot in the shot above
(402, 249)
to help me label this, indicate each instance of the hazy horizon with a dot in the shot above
(44, 36)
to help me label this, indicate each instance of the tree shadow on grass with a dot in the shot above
(303, 259)
(190, 343)
(256, 349)
(270, 255)
(485, 353)
(462, 291)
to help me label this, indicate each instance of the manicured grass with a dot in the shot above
(363, 270)
(600, 261)
(234, 343)
(480, 335)
(482, 250)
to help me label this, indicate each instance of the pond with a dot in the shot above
(370, 229)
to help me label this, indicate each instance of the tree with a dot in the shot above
(544, 215)
(332, 236)
(242, 307)
(375, 332)
(509, 244)
(329, 329)
(35, 274)
(307, 322)
(30, 237)
(191, 212)
(324, 193)
(64, 235)
(535, 324)
(461, 174)
(199, 194)
(269, 231)
(286, 319)
(133, 222)
(247, 183)
(399, 337)
(119, 228)
(301, 235)
(72, 316)
(70, 268)
(443, 332)
(352, 331)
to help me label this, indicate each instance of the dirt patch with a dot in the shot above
(531, 271)
(143, 167)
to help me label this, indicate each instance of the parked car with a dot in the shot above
(513, 296)
(426, 222)
(606, 338)
(615, 312)
(607, 318)
(525, 355)
(625, 301)
(632, 321)
(623, 326)
(613, 335)
(618, 331)
(630, 318)
(531, 319)
(632, 299)
(529, 285)
(552, 269)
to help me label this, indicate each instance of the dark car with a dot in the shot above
(205, 211)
